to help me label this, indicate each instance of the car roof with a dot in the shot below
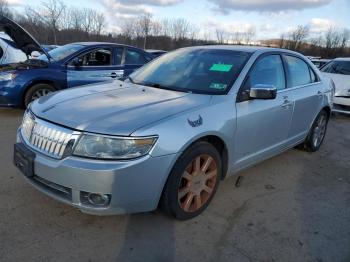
(99, 43)
(347, 59)
(242, 48)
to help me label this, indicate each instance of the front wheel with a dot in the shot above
(193, 182)
(36, 92)
(317, 133)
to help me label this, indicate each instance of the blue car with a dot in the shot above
(64, 67)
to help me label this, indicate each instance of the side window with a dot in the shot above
(133, 57)
(345, 68)
(299, 71)
(268, 71)
(98, 57)
(118, 55)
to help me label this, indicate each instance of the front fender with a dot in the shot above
(177, 133)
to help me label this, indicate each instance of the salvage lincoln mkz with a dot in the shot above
(170, 132)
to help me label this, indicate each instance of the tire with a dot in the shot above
(318, 128)
(199, 178)
(37, 91)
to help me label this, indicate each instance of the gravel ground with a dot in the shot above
(293, 207)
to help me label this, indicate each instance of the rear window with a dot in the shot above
(299, 71)
(337, 67)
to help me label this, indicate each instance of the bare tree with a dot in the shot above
(53, 10)
(249, 35)
(144, 25)
(220, 36)
(99, 22)
(128, 30)
(335, 42)
(282, 41)
(166, 27)
(298, 36)
(4, 9)
(180, 28)
(75, 19)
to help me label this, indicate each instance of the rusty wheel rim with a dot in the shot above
(197, 183)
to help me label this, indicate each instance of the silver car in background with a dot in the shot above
(168, 134)
(339, 71)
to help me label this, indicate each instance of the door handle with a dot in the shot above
(117, 74)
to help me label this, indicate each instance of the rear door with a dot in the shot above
(134, 59)
(262, 125)
(306, 90)
(97, 65)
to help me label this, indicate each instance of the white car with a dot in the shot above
(339, 71)
(9, 53)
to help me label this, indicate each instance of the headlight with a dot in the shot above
(104, 147)
(27, 124)
(7, 76)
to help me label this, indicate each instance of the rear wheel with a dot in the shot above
(36, 92)
(317, 133)
(193, 182)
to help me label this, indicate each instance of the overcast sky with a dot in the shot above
(269, 17)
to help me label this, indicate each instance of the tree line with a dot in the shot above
(52, 22)
(333, 43)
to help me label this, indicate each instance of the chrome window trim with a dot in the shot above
(298, 87)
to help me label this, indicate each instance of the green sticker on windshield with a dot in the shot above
(221, 67)
(219, 86)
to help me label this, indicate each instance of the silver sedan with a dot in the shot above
(167, 135)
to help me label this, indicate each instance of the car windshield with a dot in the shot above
(62, 52)
(205, 71)
(337, 67)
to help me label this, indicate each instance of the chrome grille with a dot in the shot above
(45, 137)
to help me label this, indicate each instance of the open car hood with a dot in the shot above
(23, 40)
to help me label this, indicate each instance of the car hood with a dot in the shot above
(113, 108)
(21, 37)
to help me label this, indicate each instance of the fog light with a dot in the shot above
(98, 199)
(95, 199)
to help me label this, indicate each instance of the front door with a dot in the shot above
(262, 125)
(95, 66)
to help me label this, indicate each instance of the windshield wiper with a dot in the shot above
(130, 79)
(171, 88)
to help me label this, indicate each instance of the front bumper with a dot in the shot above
(134, 186)
(10, 94)
(341, 105)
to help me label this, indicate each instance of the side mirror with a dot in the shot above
(75, 62)
(263, 92)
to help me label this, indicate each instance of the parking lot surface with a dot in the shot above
(293, 207)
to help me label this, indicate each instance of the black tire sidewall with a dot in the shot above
(309, 141)
(170, 194)
(33, 89)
